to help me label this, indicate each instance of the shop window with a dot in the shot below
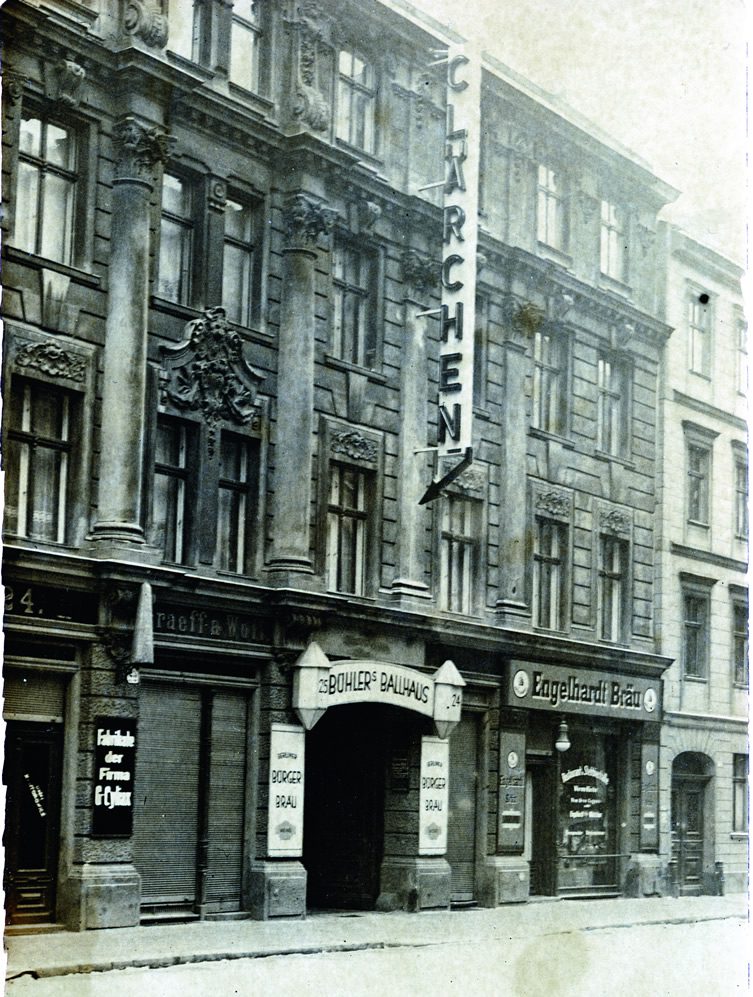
(699, 333)
(238, 476)
(695, 634)
(171, 501)
(356, 101)
(176, 240)
(742, 356)
(347, 523)
(741, 499)
(548, 382)
(40, 442)
(612, 422)
(699, 469)
(458, 554)
(241, 262)
(551, 215)
(549, 563)
(740, 644)
(613, 252)
(613, 587)
(47, 188)
(740, 794)
(246, 44)
(354, 321)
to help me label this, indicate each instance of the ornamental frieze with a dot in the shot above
(51, 359)
(354, 445)
(615, 521)
(554, 502)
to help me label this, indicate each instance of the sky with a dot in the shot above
(666, 78)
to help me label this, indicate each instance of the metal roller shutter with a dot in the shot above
(461, 830)
(33, 695)
(227, 779)
(167, 793)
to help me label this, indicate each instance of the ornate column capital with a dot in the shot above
(305, 220)
(139, 148)
(420, 273)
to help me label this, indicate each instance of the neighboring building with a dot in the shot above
(704, 571)
(220, 390)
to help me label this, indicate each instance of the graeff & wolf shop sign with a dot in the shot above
(571, 690)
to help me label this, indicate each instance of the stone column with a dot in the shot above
(139, 149)
(419, 277)
(306, 219)
(520, 328)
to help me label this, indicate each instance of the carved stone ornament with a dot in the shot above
(208, 373)
(217, 195)
(350, 443)
(369, 214)
(69, 80)
(527, 319)
(615, 521)
(588, 206)
(305, 220)
(51, 359)
(309, 105)
(146, 21)
(647, 238)
(471, 482)
(555, 503)
(117, 644)
(138, 148)
(560, 304)
(13, 87)
(420, 273)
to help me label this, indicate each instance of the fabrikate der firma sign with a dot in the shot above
(573, 690)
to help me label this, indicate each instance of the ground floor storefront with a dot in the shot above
(170, 759)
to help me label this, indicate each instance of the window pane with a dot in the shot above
(47, 413)
(247, 9)
(183, 18)
(45, 484)
(16, 483)
(166, 515)
(60, 147)
(243, 56)
(176, 195)
(230, 556)
(236, 284)
(27, 208)
(238, 219)
(57, 218)
(171, 261)
(30, 137)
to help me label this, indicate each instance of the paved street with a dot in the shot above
(702, 959)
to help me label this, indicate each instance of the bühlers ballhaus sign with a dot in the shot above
(570, 690)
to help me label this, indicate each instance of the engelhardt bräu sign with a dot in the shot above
(434, 796)
(459, 244)
(286, 773)
(570, 690)
(114, 763)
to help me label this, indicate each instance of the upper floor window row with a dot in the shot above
(246, 32)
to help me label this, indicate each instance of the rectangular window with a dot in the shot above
(551, 227)
(170, 505)
(353, 325)
(185, 29)
(38, 461)
(46, 191)
(611, 416)
(548, 383)
(457, 555)
(356, 101)
(699, 465)
(742, 357)
(613, 241)
(699, 325)
(740, 642)
(740, 794)
(695, 634)
(549, 558)
(236, 480)
(176, 241)
(612, 588)
(240, 293)
(741, 499)
(346, 530)
(245, 44)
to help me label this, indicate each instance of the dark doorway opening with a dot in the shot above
(543, 822)
(690, 779)
(344, 806)
(32, 774)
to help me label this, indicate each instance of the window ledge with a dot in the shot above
(41, 263)
(369, 159)
(543, 434)
(555, 255)
(346, 365)
(700, 374)
(482, 413)
(243, 93)
(615, 458)
(738, 836)
(614, 284)
(697, 525)
(173, 308)
(696, 679)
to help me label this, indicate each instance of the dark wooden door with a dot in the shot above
(32, 773)
(687, 834)
(461, 827)
(344, 801)
(543, 824)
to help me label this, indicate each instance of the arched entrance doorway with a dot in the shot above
(692, 822)
(344, 807)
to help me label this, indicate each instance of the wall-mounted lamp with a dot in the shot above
(563, 741)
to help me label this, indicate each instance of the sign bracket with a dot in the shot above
(438, 484)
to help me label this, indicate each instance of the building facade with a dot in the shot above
(704, 571)
(248, 671)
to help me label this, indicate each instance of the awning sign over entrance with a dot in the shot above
(317, 685)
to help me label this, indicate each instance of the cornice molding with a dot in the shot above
(708, 557)
(710, 410)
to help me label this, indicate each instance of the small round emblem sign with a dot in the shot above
(512, 760)
(649, 700)
(521, 684)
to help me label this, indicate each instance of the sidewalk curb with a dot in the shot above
(167, 961)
